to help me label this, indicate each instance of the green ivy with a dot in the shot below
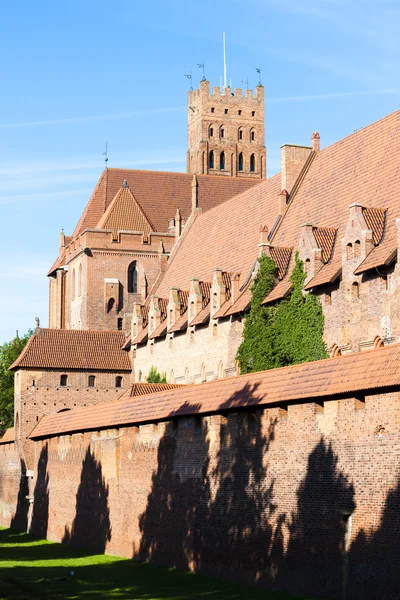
(155, 377)
(287, 333)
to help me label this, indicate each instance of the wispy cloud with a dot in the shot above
(94, 118)
(43, 195)
(332, 95)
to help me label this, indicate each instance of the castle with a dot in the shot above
(158, 273)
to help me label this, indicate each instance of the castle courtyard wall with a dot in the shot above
(303, 497)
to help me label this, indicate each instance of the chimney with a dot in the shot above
(293, 159)
(282, 202)
(194, 193)
(62, 241)
(263, 234)
(263, 246)
(178, 223)
(235, 287)
(316, 141)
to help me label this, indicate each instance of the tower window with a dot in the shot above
(119, 324)
(211, 132)
(357, 249)
(239, 112)
(132, 278)
(253, 113)
(222, 161)
(118, 381)
(241, 161)
(252, 163)
(211, 160)
(222, 133)
(91, 381)
(226, 111)
(63, 380)
(252, 136)
(240, 134)
(349, 251)
(110, 304)
(355, 290)
(212, 109)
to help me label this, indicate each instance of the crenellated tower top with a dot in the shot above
(226, 132)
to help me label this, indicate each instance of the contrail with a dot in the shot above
(88, 119)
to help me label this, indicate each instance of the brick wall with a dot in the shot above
(304, 498)
(10, 477)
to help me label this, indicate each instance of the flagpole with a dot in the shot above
(224, 59)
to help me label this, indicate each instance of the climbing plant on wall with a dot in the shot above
(287, 333)
(9, 352)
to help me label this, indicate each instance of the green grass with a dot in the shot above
(40, 570)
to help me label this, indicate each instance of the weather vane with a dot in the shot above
(201, 66)
(190, 77)
(105, 154)
(258, 69)
(246, 81)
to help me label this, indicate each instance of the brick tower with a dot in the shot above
(226, 132)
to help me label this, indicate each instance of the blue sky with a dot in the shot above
(77, 73)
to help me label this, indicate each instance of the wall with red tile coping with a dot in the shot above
(261, 496)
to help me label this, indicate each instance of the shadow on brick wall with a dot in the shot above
(20, 519)
(91, 526)
(374, 559)
(40, 512)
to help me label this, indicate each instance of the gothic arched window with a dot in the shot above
(252, 163)
(240, 167)
(240, 134)
(73, 284)
(211, 160)
(132, 278)
(80, 280)
(222, 161)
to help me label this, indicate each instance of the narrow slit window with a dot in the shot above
(132, 278)
(241, 161)
(222, 161)
(252, 163)
(211, 160)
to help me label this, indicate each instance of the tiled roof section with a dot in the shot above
(159, 194)
(281, 290)
(381, 255)
(281, 257)
(241, 304)
(74, 349)
(145, 314)
(183, 299)
(325, 238)
(141, 389)
(328, 274)
(8, 436)
(226, 278)
(226, 237)
(202, 317)
(205, 289)
(125, 214)
(363, 372)
(142, 337)
(127, 344)
(159, 331)
(57, 263)
(180, 324)
(375, 219)
(362, 167)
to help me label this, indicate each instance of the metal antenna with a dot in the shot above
(105, 154)
(189, 76)
(223, 39)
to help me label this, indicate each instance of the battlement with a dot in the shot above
(226, 94)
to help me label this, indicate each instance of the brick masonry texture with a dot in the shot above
(288, 497)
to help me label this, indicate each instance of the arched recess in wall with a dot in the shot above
(252, 135)
(222, 161)
(211, 160)
(221, 132)
(355, 290)
(133, 278)
(202, 373)
(187, 376)
(73, 282)
(252, 163)
(211, 131)
(378, 342)
(110, 304)
(349, 251)
(220, 370)
(357, 249)
(240, 162)
(80, 280)
(335, 351)
(240, 133)
(307, 265)
(171, 376)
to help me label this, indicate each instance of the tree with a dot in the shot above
(9, 352)
(155, 377)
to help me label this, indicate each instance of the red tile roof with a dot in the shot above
(202, 317)
(142, 337)
(125, 214)
(226, 237)
(160, 330)
(281, 257)
(180, 324)
(375, 219)
(141, 389)
(8, 436)
(329, 273)
(281, 290)
(325, 238)
(360, 168)
(364, 372)
(159, 194)
(383, 254)
(74, 349)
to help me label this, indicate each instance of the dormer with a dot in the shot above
(173, 308)
(220, 289)
(195, 298)
(357, 241)
(315, 248)
(154, 314)
(137, 320)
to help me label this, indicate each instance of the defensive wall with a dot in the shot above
(288, 478)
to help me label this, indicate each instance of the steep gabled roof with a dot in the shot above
(74, 349)
(125, 214)
(362, 168)
(159, 194)
(344, 376)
